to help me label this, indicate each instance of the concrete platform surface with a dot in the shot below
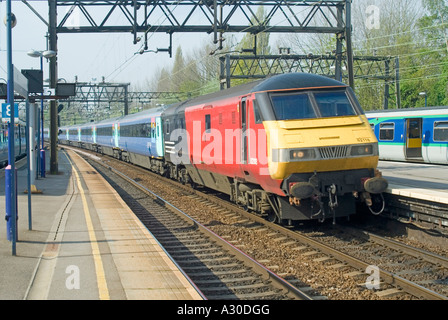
(85, 243)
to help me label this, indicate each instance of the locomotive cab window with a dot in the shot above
(387, 131)
(292, 107)
(257, 114)
(312, 105)
(334, 104)
(441, 131)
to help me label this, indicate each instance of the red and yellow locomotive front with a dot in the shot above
(296, 147)
(324, 132)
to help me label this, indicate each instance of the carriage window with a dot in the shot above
(387, 131)
(208, 124)
(441, 131)
(146, 130)
(294, 106)
(86, 131)
(415, 129)
(372, 126)
(334, 104)
(104, 131)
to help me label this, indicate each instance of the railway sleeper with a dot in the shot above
(248, 296)
(187, 252)
(215, 260)
(211, 270)
(226, 273)
(388, 292)
(237, 289)
(175, 244)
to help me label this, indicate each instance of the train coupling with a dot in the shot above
(299, 191)
(302, 190)
(375, 185)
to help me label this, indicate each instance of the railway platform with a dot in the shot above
(85, 243)
(417, 191)
(416, 180)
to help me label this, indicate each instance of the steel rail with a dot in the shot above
(415, 252)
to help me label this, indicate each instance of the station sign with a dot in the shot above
(6, 112)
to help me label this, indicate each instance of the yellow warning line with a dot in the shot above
(99, 269)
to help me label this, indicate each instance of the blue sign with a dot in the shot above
(6, 112)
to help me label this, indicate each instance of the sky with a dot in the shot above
(92, 56)
(89, 56)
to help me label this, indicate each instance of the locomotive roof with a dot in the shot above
(278, 82)
(296, 81)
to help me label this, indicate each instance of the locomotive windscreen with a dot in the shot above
(290, 107)
(311, 105)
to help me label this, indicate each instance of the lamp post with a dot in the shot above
(426, 97)
(42, 54)
(10, 176)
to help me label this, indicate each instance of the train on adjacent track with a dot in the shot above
(19, 142)
(290, 147)
(417, 134)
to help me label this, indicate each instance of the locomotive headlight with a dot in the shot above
(362, 150)
(287, 155)
(302, 154)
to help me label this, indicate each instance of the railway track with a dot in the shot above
(419, 272)
(219, 270)
(331, 266)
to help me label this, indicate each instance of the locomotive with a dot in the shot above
(291, 147)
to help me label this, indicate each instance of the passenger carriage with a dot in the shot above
(419, 134)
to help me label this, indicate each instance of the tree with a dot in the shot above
(207, 69)
(164, 81)
(433, 25)
(392, 35)
(254, 44)
(433, 28)
(178, 71)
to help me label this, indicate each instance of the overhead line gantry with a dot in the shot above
(142, 18)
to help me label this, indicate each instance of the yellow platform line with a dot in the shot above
(99, 269)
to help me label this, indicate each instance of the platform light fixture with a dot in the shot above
(39, 54)
(424, 94)
(47, 54)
